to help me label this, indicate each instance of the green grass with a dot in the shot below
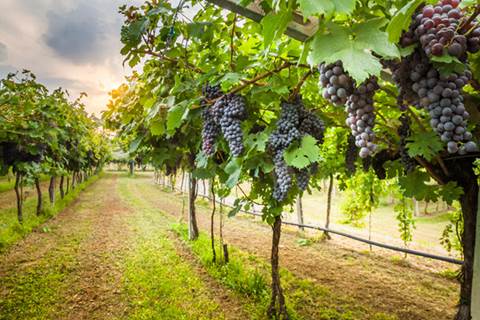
(248, 276)
(158, 283)
(35, 292)
(11, 230)
(8, 184)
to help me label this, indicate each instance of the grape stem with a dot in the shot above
(472, 17)
(298, 87)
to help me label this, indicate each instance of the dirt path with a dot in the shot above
(75, 266)
(382, 284)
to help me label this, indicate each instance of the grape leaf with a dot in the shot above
(310, 8)
(176, 115)
(401, 20)
(274, 25)
(301, 157)
(414, 185)
(233, 169)
(450, 192)
(157, 128)
(425, 144)
(351, 45)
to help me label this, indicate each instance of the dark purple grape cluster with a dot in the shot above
(210, 130)
(351, 155)
(294, 123)
(234, 112)
(442, 28)
(404, 131)
(442, 96)
(361, 116)
(224, 116)
(337, 84)
(303, 178)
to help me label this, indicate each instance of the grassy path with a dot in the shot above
(361, 283)
(109, 256)
(119, 252)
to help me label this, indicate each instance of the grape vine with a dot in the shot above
(294, 123)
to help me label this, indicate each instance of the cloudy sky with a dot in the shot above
(74, 44)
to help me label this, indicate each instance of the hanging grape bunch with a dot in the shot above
(361, 116)
(442, 29)
(351, 155)
(425, 87)
(404, 131)
(210, 129)
(224, 116)
(336, 83)
(234, 112)
(294, 123)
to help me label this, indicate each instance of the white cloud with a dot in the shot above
(74, 44)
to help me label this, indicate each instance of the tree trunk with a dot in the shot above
(329, 205)
(476, 272)
(277, 309)
(39, 197)
(465, 176)
(300, 212)
(51, 190)
(212, 222)
(68, 184)
(192, 219)
(73, 180)
(131, 165)
(62, 192)
(18, 193)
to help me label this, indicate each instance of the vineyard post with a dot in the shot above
(329, 205)
(18, 182)
(300, 212)
(39, 195)
(51, 189)
(62, 191)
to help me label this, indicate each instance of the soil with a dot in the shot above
(371, 279)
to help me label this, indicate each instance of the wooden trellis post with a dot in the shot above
(299, 28)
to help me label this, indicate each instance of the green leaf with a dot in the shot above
(175, 116)
(229, 80)
(310, 8)
(414, 185)
(274, 25)
(307, 153)
(369, 33)
(157, 128)
(450, 192)
(447, 64)
(135, 144)
(237, 206)
(131, 34)
(233, 169)
(401, 20)
(424, 144)
(353, 45)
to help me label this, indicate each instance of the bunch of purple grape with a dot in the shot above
(294, 123)
(224, 116)
(337, 84)
(443, 28)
